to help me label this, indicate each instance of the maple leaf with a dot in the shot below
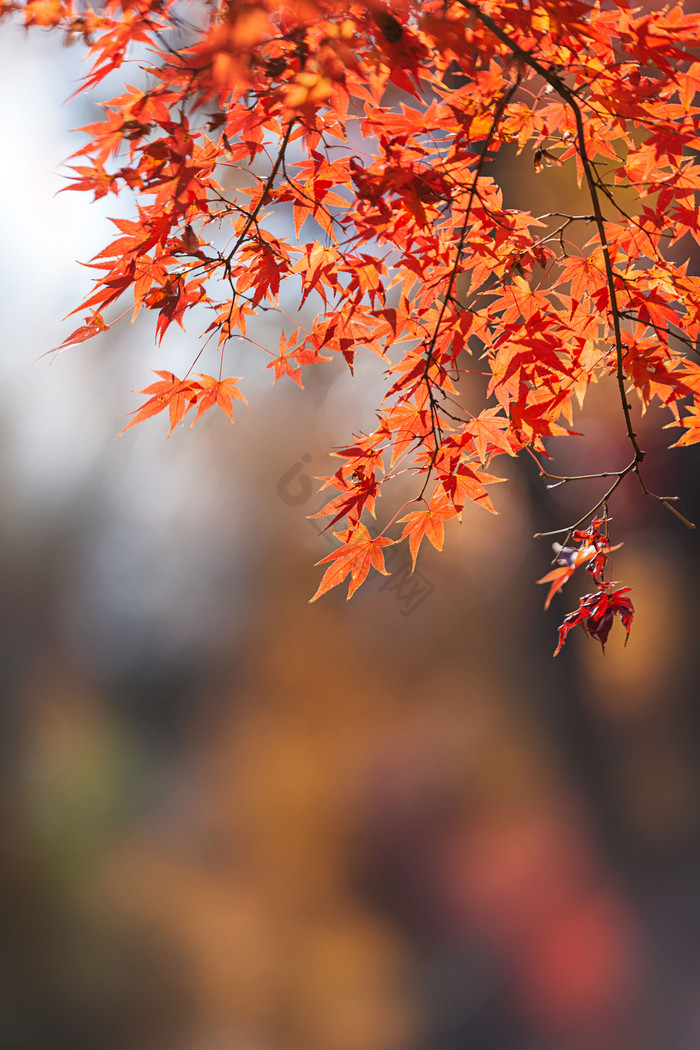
(488, 433)
(352, 501)
(558, 577)
(359, 553)
(221, 392)
(429, 523)
(465, 483)
(596, 613)
(177, 395)
(92, 327)
(692, 423)
(285, 364)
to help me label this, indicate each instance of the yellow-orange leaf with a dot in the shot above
(357, 555)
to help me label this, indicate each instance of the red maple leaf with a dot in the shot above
(596, 613)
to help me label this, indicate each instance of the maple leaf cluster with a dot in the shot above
(370, 128)
(597, 611)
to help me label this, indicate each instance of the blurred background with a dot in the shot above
(230, 820)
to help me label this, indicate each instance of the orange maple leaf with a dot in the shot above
(92, 327)
(177, 395)
(570, 560)
(487, 429)
(219, 392)
(358, 553)
(429, 523)
(692, 433)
